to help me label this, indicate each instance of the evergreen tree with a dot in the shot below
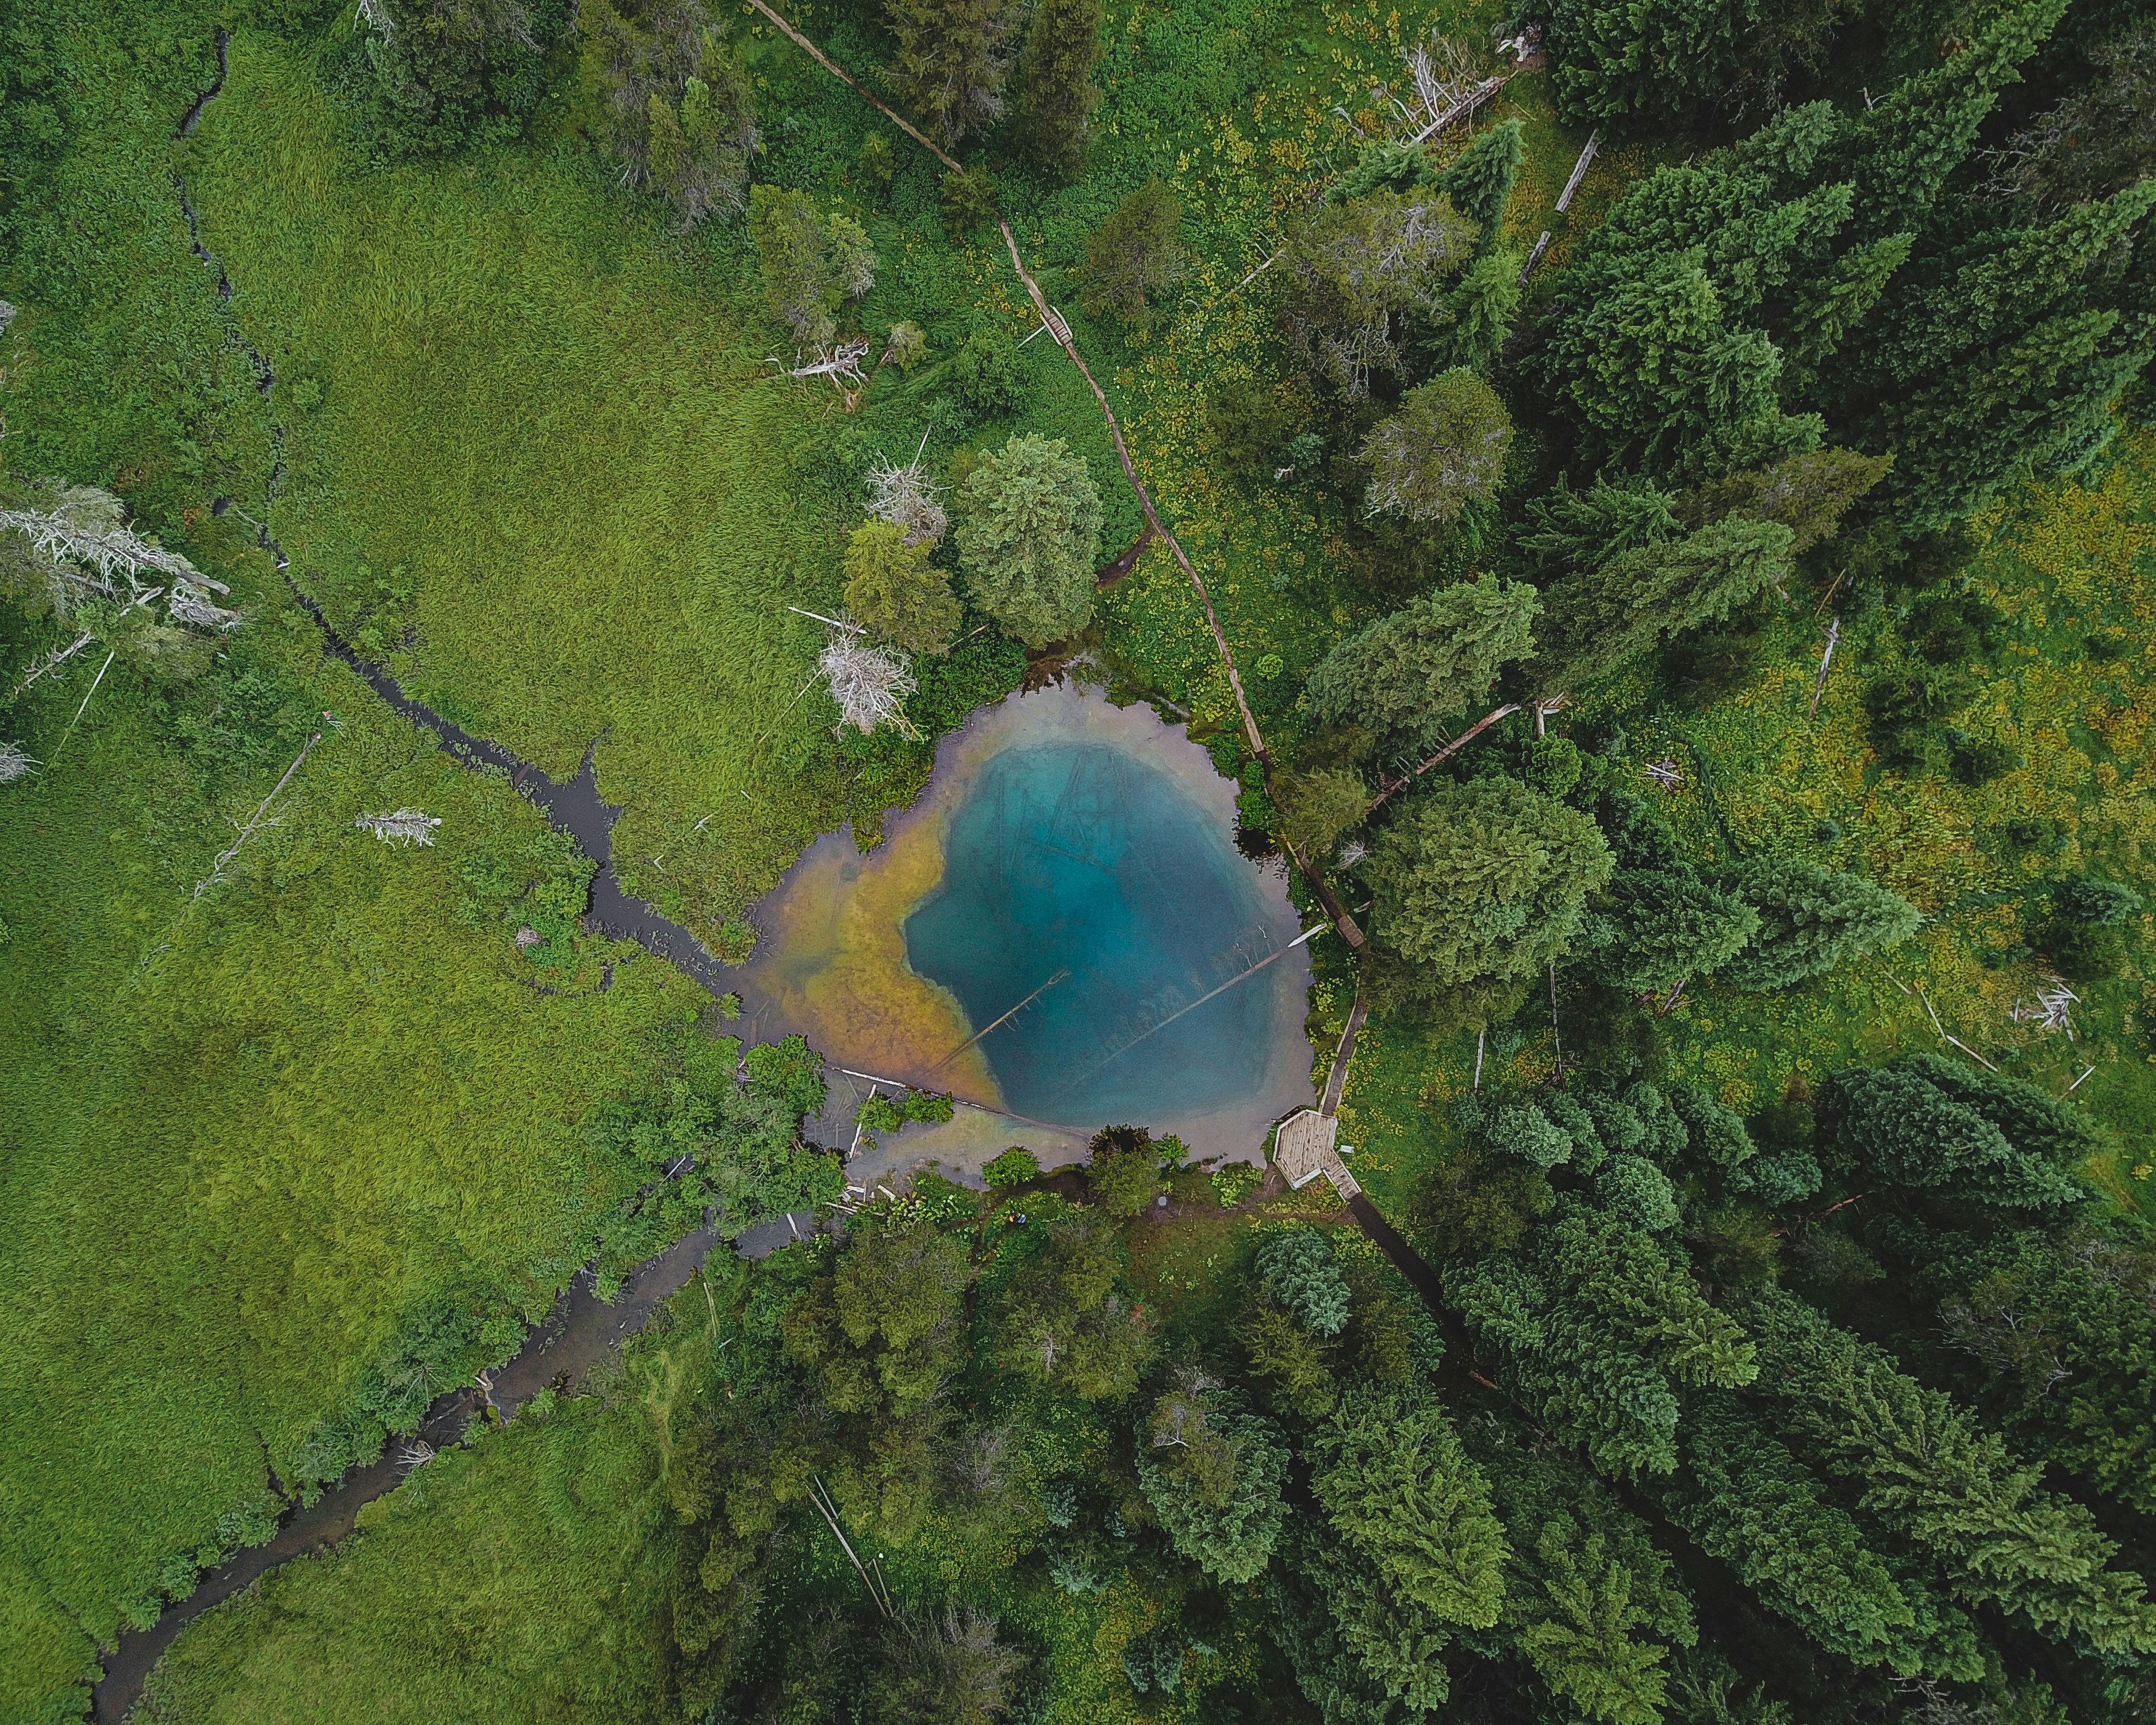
(1902, 1124)
(1363, 1650)
(2010, 363)
(1031, 538)
(1211, 1474)
(1405, 676)
(1597, 1330)
(1931, 1475)
(1637, 1193)
(1356, 272)
(1062, 44)
(1298, 1268)
(681, 115)
(1715, 1133)
(892, 588)
(1808, 493)
(1751, 1503)
(1395, 1487)
(2063, 1329)
(449, 72)
(1479, 180)
(1123, 1170)
(1523, 1130)
(1591, 1603)
(1601, 618)
(1900, 152)
(1135, 255)
(1444, 448)
(1063, 1321)
(1811, 920)
(953, 56)
(1649, 929)
(1470, 326)
(1579, 531)
(811, 264)
(1483, 881)
(1654, 372)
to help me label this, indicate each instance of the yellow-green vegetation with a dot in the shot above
(2073, 566)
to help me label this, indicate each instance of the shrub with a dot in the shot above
(986, 374)
(1015, 1166)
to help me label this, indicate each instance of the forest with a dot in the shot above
(1651, 504)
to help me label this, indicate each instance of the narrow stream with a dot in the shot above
(582, 1330)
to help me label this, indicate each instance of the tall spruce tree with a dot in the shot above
(1931, 1475)
(1598, 1331)
(1904, 1124)
(1811, 919)
(1601, 618)
(1406, 676)
(1483, 881)
(1479, 181)
(953, 57)
(1055, 71)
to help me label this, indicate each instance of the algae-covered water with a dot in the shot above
(1061, 842)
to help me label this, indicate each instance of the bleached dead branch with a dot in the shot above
(1666, 773)
(259, 818)
(189, 604)
(87, 552)
(416, 1453)
(406, 826)
(2052, 1008)
(870, 684)
(14, 762)
(375, 15)
(841, 364)
(53, 661)
(907, 497)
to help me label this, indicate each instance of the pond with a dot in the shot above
(1061, 933)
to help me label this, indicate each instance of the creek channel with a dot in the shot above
(582, 1330)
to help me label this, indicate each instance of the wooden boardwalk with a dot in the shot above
(1305, 1146)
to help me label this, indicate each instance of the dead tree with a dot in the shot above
(907, 497)
(406, 826)
(869, 683)
(14, 762)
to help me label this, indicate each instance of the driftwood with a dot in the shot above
(255, 821)
(1534, 257)
(1826, 659)
(1579, 171)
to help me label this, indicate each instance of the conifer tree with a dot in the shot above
(1597, 1330)
(1811, 920)
(1600, 618)
(1135, 255)
(1581, 531)
(1062, 44)
(1483, 881)
(1407, 676)
(2010, 364)
(1591, 1603)
(1355, 273)
(1901, 1124)
(1751, 1503)
(1930, 1474)
(1479, 181)
(1211, 1473)
(954, 57)
(1298, 1268)
(1472, 325)
(1395, 1485)
(1031, 538)
(892, 588)
(1649, 929)
(1444, 448)
(1900, 152)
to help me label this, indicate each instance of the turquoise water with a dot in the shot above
(1078, 856)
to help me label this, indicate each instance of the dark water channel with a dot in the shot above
(582, 1331)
